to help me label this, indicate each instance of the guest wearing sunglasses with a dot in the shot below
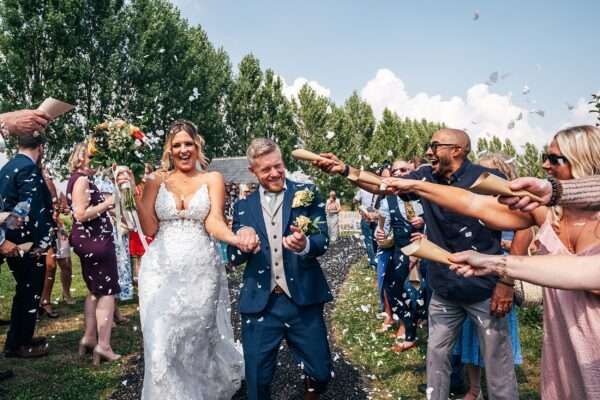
(455, 298)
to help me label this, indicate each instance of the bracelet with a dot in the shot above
(346, 171)
(556, 191)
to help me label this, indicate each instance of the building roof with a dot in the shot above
(233, 169)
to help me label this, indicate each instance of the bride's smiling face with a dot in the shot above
(184, 152)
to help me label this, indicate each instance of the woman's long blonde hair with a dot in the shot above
(77, 156)
(189, 128)
(581, 147)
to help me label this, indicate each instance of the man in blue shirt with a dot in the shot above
(454, 298)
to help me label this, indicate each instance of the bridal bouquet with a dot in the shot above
(117, 142)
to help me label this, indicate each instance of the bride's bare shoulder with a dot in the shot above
(214, 178)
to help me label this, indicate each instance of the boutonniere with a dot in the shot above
(308, 226)
(303, 198)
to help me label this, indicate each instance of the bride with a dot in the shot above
(189, 350)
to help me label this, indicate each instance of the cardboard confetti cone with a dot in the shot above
(25, 247)
(305, 155)
(490, 184)
(388, 242)
(55, 108)
(425, 249)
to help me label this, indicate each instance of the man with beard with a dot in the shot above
(455, 298)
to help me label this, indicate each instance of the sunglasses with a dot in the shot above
(401, 170)
(554, 159)
(434, 145)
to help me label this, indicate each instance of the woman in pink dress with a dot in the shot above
(571, 343)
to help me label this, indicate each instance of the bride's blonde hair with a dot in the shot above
(581, 147)
(189, 128)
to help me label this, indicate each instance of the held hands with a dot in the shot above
(398, 185)
(247, 240)
(24, 122)
(125, 176)
(540, 187)
(332, 165)
(296, 242)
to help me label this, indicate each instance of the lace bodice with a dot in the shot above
(170, 218)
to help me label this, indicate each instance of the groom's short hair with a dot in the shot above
(260, 147)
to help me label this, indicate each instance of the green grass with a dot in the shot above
(394, 376)
(63, 375)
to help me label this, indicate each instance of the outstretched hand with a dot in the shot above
(296, 242)
(471, 263)
(398, 185)
(24, 122)
(330, 164)
(539, 187)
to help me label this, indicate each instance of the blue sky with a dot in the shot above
(424, 58)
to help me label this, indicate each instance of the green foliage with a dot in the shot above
(596, 106)
(528, 162)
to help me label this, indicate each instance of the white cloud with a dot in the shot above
(292, 90)
(580, 114)
(479, 111)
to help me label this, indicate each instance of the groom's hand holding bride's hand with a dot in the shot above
(247, 240)
(296, 242)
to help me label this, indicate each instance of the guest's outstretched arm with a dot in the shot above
(583, 272)
(486, 208)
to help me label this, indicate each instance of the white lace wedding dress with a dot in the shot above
(189, 349)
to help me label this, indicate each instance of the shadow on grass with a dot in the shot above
(63, 375)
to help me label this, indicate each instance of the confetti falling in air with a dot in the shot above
(475, 15)
(570, 107)
(525, 90)
(541, 113)
(330, 135)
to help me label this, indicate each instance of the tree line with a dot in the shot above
(140, 60)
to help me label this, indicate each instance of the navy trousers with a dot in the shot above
(304, 330)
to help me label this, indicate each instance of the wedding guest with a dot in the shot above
(571, 328)
(455, 298)
(393, 266)
(92, 240)
(63, 259)
(136, 248)
(368, 222)
(45, 301)
(21, 180)
(332, 209)
(468, 344)
(121, 241)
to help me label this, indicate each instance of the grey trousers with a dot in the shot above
(445, 322)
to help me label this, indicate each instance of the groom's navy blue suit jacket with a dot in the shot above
(304, 276)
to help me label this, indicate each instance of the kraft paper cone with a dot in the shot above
(490, 184)
(55, 108)
(25, 247)
(305, 155)
(425, 249)
(3, 216)
(388, 242)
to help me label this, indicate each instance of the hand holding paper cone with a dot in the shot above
(423, 248)
(490, 184)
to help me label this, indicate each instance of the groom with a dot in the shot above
(284, 289)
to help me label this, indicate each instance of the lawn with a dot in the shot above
(63, 375)
(396, 376)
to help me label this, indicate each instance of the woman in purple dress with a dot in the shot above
(92, 240)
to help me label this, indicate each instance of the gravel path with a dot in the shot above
(287, 383)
